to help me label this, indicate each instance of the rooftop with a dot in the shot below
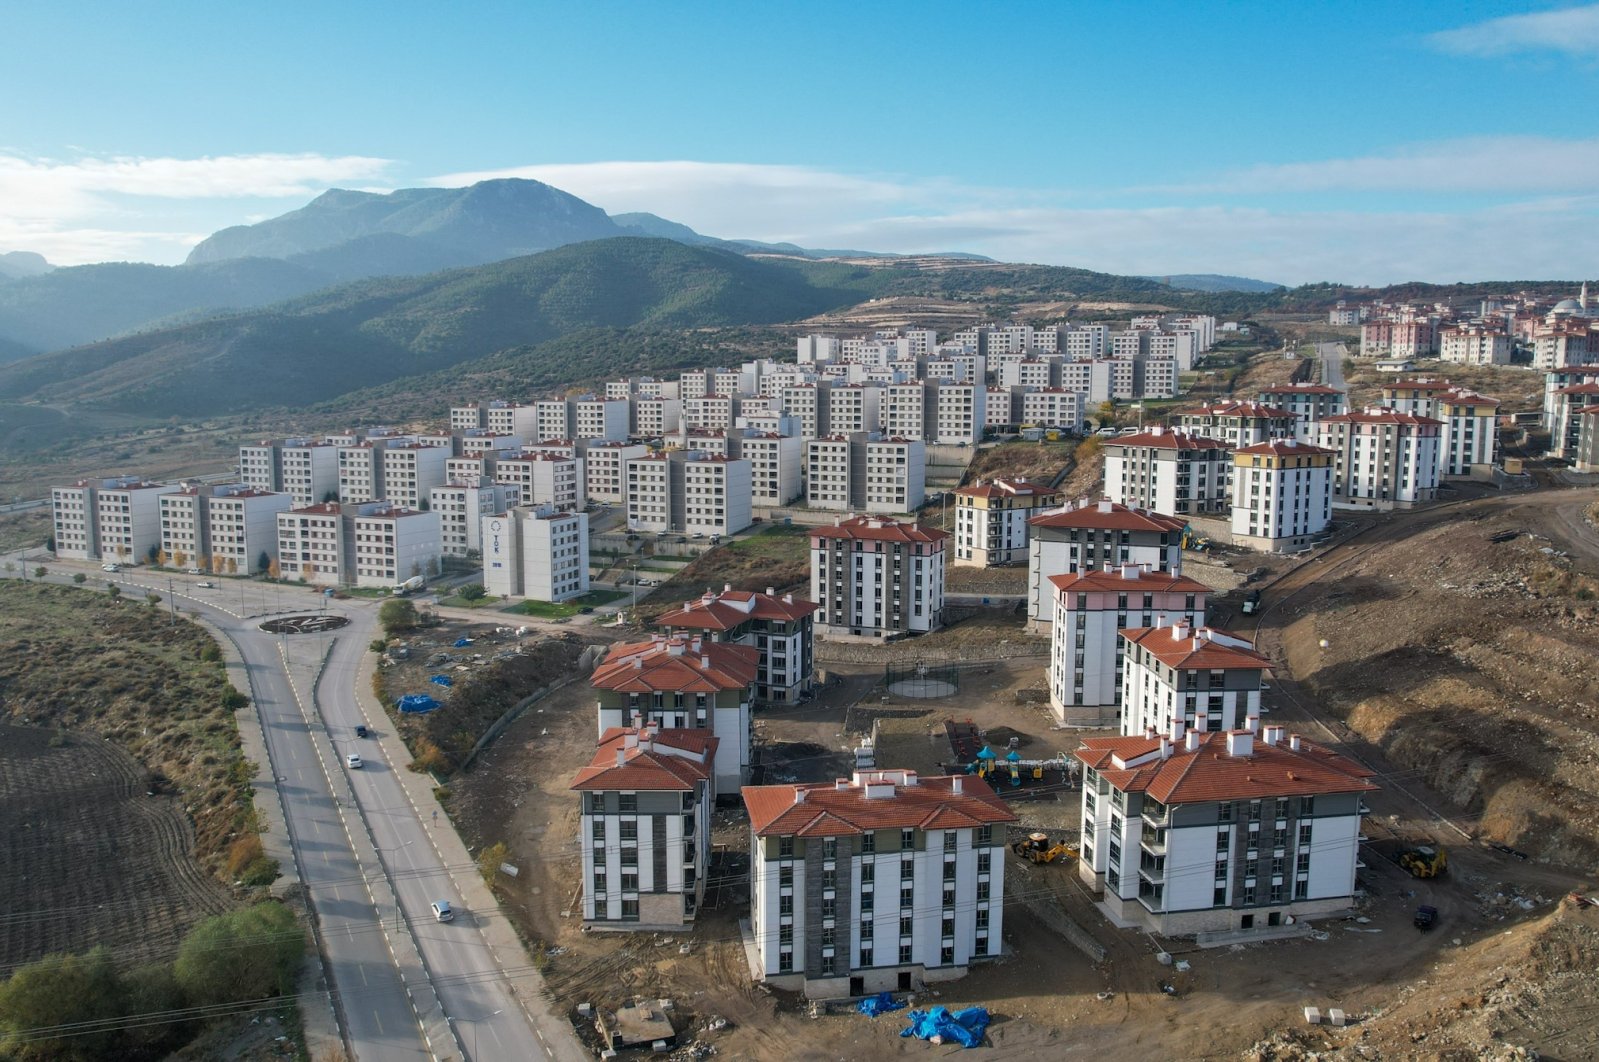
(1223, 765)
(724, 611)
(1281, 448)
(649, 760)
(1165, 439)
(676, 665)
(881, 529)
(1018, 488)
(1128, 577)
(1107, 515)
(874, 800)
(1186, 648)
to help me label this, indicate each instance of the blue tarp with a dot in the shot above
(881, 1003)
(462, 643)
(417, 702)
(442, 680)
(964, 1027)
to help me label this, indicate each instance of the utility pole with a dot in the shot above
(172, 601)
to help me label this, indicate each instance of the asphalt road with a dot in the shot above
(1332, 363)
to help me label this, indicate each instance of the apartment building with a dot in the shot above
(991, 520)
(1239, 424)
(1087, 536)
(854, 407)
(905, 409)
(1086, 650)
(536, 552)
(260, 465)
(1470, 434)
(600, 418)
(653, 418)
(1198, 677)
(554, 418)
(1036, 372)
(392, 543)
(1002, 408)
(1557, 381)
(776, 462)
(308, 470)
(835, 471)
(864, 472)
(692, 491)
(545, 477)
(1405, 338)
(809, 405)
(1474, 344)
(780, 629)
(877, 578)
(896, 475)
(605, 469)
(127, 516)
(683, 683)
(361, 472)
(710, 412)
(468, 417)
(1230, 830)
(705, 440)
(462, 505)
(411, 471)
(818, 852)
(1169, 472)
(515, 418)
(185, 527)
(1564, 345)
(1382, 459)
(242, 529)
(1053, 407)
(1309, 403)
(646, 800)
(480, 441)
(1282, 495)
(814, 348)
(1586, 456)
(1565, 424)
(314, 544)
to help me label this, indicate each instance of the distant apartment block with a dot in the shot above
(690, 491)
(863, 472)
(241, 529)
(780, 629)
(462, 505)
(393, 543)
(775, 462)
(605, 466)
(1090, 536)
(1474, 344)
(1238, 424)
(1053, 407)
(545, 477)
(411, 471)
(1198, 677)
(1382, 459)
(1309, 403)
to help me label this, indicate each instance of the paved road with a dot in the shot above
(1332, 363)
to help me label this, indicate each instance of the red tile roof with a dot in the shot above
(1145, 581)
(843, 808)
(724, 611)
(646, 764)
(1467, 398)
(1381, 416)
(1162, 439)
(676, 665)
(880, 529)
(1281, 448)
(1195, 650)
(1007, 488)
(1418, 385)
(1107, 515)
(1241, 409)
(1580, 389)
(1210, 774)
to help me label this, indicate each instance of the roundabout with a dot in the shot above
(304, 624)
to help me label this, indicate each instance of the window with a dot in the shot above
(868, 901)
(785, 933)
(868, 842)
(946, 956)
(866, 957)
(785, 847)
(907, 839)
(1304, 835)
(985, 835)
(628, 802)
(1219, 899)
(829, 907)
(949, 840)
(629, 829)
(868, 872)
(906, 925)
(904, 953)
(829, 847)
(785, 905)
(982, 890)
(982, 862)
(868, 929)
(785, 876)
(785, 962)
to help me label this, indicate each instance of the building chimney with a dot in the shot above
(1104, 505)
(1240, 743)
(1192, 738)
(621, 757)
(1252, 723)
(1271, 734)
(956, 785)
(1294, 743)
(1129, 571)
(1177, 728)
(771, 591)
(799, 795)
(630, 740)
(1165, 749)
(727, 588)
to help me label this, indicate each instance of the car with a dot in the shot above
(699, 534)
(361, 730)
(353, 762)
(205, 586)
(587, 610)
(196, 571)
(442, 912)
(1426, 917)
(111, 567)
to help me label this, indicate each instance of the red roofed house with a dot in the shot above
(1085, 649)
(1282, 495)
(646, 832)
(822, 854)
(1308, 402)
(683, 683)
(779, 629)
(1382, 459)
(1090, 536)
(991, 520)
(877, 578)
(1201, 677)
(1189, 832)
(1169, 472)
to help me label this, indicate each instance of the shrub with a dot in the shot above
(473, 592)
(397, 615)
(211, 653)
(61, 990)
(242, 852)
(233, 700)
(79, 578)
(243, 955)
(489, 860)
(430, 759)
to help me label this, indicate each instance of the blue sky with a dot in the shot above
(1363, 142)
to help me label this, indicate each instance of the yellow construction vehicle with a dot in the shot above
(1193, 540)
(1037, 849)
(1425, 860)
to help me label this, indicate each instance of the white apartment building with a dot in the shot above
(535, 552)
(1564, 345)
(309, 471)
(775, 466)
(242, 529)
(127, 514)
(1088, 536)
(1553, 384)
(821, 854)
(1001, 408)
(1053, 407)
(553, 418)
(1282, 495)
(808, 404)
(462, 505)
(645, 832)
(1474, 344)
(392, 544)
(1565, 424)
(1382, 459)
(1586, 457)
(710, 412)
(864, 472)
(705, 440)
(480, 441)
(1036, 372)
(1239, 424)
(185, 530)
(605, 466)
(896, 475)
(411, 471)
(835, 471)
(314, 544)
(905, 409)
(467, 417)
(877, 578)
(1190, 832)
(991, 520)
(815, 348)
(1169, 472)
(361, 472)
(600, 418)
(545, 477)
(259, 466)
(514, 418)
(779, 629)
(1470, 434)
(691, 491)
(656, 417)
(1309, 403)
(852, 408)
(1091, 609)
(1197, 677)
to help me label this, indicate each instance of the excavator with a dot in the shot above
(1037, 849)
(1424, 860)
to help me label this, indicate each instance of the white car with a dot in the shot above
(353, 762)
(206, 586)
(111, 567)
(442, 912)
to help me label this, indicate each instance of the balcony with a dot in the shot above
(1153, 842)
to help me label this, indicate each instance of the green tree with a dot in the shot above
(41, 571)
(489, 860)
(114, 591)
(242, 955)
(473, 592)
(61, 990)
(151, 990)
(397, 615)
(79, 578)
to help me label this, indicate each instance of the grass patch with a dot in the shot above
(565, 609)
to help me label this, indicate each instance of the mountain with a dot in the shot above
(1212, 282)
(15, 264)
(373, 331)
(486, 222)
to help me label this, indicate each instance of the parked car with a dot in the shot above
(353, 762)
(442, 912)
(196, 571)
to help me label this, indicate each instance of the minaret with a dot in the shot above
(1582, 299)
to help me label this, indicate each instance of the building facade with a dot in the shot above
(991, 520)
(1382, 459)
(1200, 677)
(780, 629)
(1168, 472)
(877, 578)
(1091, 536)
(1282, 495)
(535, 552)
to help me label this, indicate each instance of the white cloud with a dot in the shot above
(1572, 30)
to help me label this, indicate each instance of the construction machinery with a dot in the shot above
(1037, 849)
(1424, 860)
(1193, 540)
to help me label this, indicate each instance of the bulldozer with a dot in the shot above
(1037, 849)
(1424, 860)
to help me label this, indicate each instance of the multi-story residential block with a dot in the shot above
(854, 407)
(462, 505)
(1406, 338)
(645, 833)
(705, 440)
(1002, 408)
(605, 466)
(694, 383)
(991, 520)
(1565, 424)
(906, 408)
(653, 418)
(863, 472)
(554, 418)
(1416, 396)
(1053, 407)
(1282, 495)
(361, 472)
(1470, 434)
(822, 853)
(835, 471)
(815, 348)
(260, 465)
(809, 405)
(515, 418)
(877, 578)
(1194, 676)
(1557, 381)
(779, 628)
(465, 418)
(1238, 424)
(185, 527)
(600, 418)
(710, 412)
(1169, 472)
(536, 552)
(1586, 457)
(411, 471)
(1036, 372)
(1090, 610)
(242, 529)
(308, 469)
(1565, 344)
(1382, 459)
(479, 441)
(1090, 536)
(392, 543)
(683, 683)
(1309, 403)
(314, 544)
(1191, 832)
(127, 518)
(1474, 344)
(896, 475)
(775, 465)
(692, 491)
(546, 477)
